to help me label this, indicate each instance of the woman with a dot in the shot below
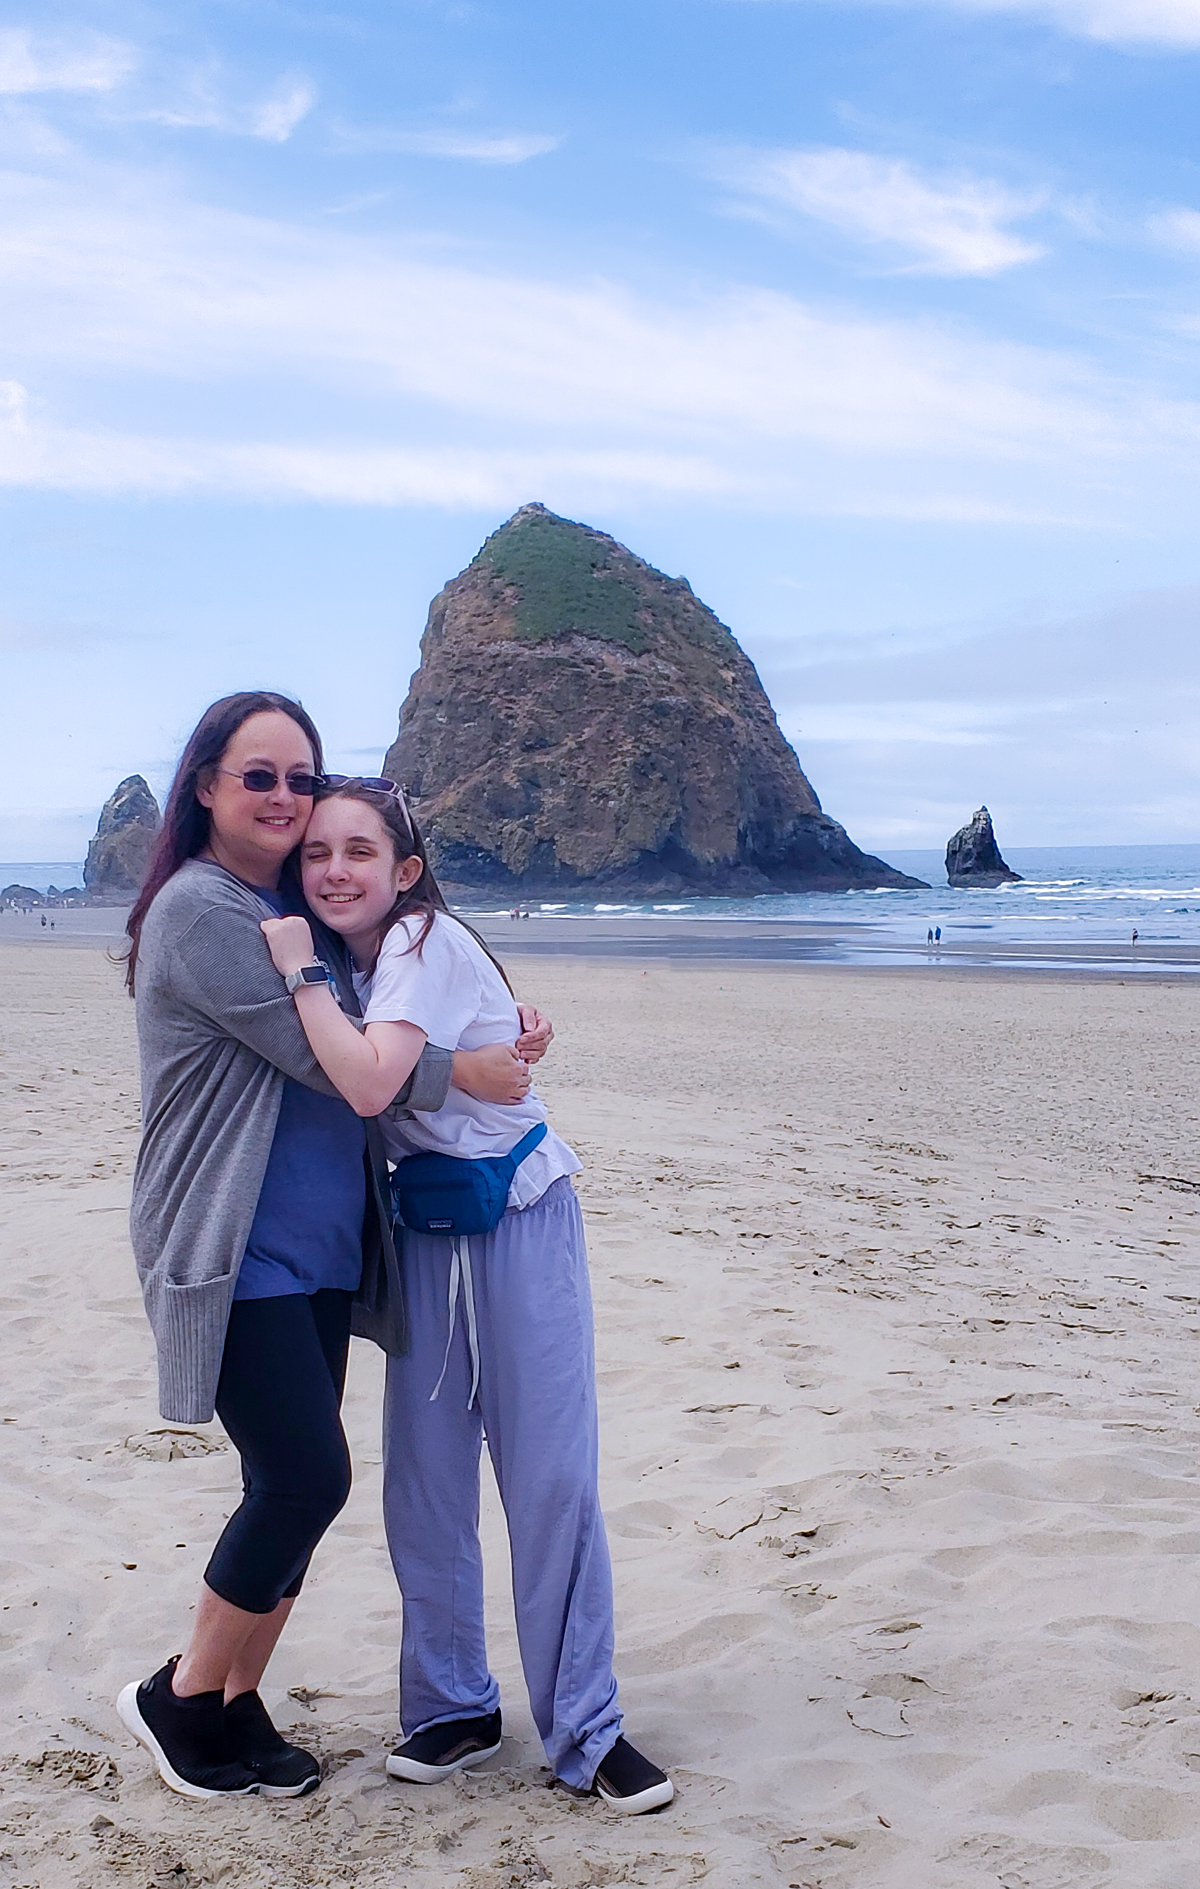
(517, 1357)
(258, 1224)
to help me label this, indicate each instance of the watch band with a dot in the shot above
(314, 973)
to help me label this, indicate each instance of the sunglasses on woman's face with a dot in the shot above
(263, 780)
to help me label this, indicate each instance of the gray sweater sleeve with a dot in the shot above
(222, 968)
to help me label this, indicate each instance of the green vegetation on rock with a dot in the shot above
(572, 581)
(567, 580)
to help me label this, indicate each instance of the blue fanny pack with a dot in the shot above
(441, 1193)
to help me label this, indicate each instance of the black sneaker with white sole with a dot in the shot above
(186, 1738)
(429, 1756)
(282, 1770)
(630, 1783)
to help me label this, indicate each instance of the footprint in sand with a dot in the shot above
(169, 1446)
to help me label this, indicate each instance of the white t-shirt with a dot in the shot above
(451, 989)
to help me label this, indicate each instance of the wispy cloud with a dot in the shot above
(276, 116)
(86, 62)
(949, 225)
(1177, 229)
(1171, 23)
(573, 389)
(1166, 23)
(1063, 725)
(201, 101)
(39, 455)
(479, 148)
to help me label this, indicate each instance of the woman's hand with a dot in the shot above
(537, 1033)
(290, 943)
(495, 1073)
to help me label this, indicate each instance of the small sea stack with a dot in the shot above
(118, 856)
(973, 857)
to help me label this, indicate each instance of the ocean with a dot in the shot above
(1067, 895)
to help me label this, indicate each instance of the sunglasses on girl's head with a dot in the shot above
(379, 782)
(262, 780)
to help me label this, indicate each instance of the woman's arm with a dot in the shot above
(537, 1033)
(496, 1073)
(220, 965)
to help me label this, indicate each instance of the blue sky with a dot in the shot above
(878, 322)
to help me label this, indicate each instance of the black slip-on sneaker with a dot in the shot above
(630, 1783)
(282, 1770)
(427, 1757)
(185, 1737)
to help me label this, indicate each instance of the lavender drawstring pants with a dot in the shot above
(536, 1404)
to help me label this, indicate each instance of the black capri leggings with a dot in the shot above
(279, 1397)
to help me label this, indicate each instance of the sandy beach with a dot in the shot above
(897, 1286)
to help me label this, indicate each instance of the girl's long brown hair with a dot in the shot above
(425, 896)
(186, 824)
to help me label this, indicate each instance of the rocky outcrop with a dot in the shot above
(118, 856)
(580, 722)
(24, 898)
(973, 857)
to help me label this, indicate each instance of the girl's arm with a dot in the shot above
(369, 1067)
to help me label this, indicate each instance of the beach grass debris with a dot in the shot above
(1178, 1181)
(306, 1695)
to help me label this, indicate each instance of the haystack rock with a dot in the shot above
(582, 723)
(973, 857)
(118, 856)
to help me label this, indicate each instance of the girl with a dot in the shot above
(258, 1224)
(512, 1354)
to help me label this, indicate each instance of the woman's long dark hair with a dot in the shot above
(425, 896)
(186, 824)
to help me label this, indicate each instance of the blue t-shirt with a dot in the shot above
(308, 1226)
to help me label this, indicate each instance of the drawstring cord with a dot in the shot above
(461, 1275)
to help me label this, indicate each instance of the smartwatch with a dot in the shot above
(314, 973)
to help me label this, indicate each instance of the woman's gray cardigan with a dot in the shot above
(218, 1034)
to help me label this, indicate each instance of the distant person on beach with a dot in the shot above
(937, 935)
(929, 936)
(500, 1320)
(259, 1222)
(1134, 938)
